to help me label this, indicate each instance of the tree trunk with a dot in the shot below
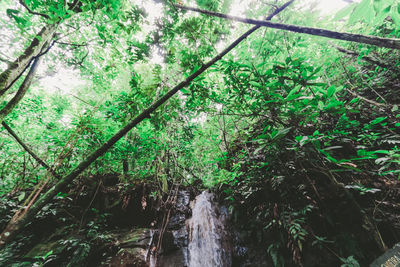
(21, 91)
(14, 226)
(18, 67)
(358, 38)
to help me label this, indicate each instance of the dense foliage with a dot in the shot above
(299, 133)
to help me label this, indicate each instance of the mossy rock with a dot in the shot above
(42, 249)
(130, 257)
(136, 238)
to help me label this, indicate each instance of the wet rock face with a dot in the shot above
(175, 239)
(133, 248)
(389, 258)
(130, 257)
(198, 234)
(128, 235)
(194, 236)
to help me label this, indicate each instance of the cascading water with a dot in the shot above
(208, 243)
(150, 257)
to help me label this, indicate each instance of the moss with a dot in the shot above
(135, 236)
(42, 249)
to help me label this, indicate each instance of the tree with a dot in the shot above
(274, 124)
(15, 225)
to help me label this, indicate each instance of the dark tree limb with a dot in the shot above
(22, 2)
(21, 91)
(71, 44)
(30, 152)
(18, 67)
(358, 38)
(14, 227)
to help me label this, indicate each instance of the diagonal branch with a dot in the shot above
(27, 149)
(18, 67)
(21, 91)
(358, 38)
(365, 58)
(14, 227)
(22, 2)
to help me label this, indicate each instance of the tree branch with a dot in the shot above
(22, 2)
(18, 67)
(358, 38)
(27, 149)
(15, 226)
(70, 44)
(21, 91)
(365, 58)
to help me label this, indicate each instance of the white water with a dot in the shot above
(150, 257)
(208, 246)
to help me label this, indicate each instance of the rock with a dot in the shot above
(390, 258)
(136, 238)
(181, 237)
(130, 257)
(133, 248)
(175, 259)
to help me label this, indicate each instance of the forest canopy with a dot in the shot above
(278, 114)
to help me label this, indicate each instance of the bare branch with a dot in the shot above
(358, 38)
(18, 67)
(71, 44)
(27, 149)
(21, 91)
(365, 58)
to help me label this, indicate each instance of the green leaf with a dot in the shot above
(277, 134)
(344, 12)
(363, 11)
(331, 90)
(378, 120)
(256, 84)
(21, 196)
(395, 14)
(292, 94)
(12, 12)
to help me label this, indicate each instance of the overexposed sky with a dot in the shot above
(328, 7)
(325, 7)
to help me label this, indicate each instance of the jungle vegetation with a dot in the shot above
(280, 107)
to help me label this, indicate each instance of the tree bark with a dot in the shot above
(358, 38)
(14, 227)
(30, 152)
(18, 67)
(21, 91)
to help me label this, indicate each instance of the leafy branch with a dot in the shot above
(358, 38)
(22, 2)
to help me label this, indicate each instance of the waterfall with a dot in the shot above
(150, 257)
(208, 243)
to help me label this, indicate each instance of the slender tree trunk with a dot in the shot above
(21, 91)
(18, 67)
(30, 152)
(358, 38)
(14, 227)
(125, 166)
